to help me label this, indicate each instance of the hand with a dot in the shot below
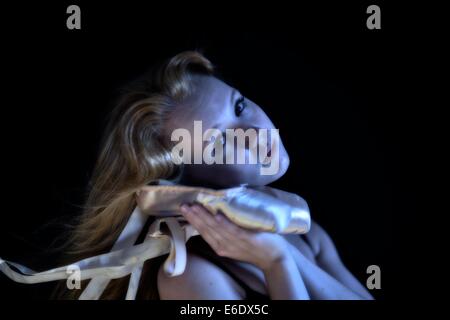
(262, 249)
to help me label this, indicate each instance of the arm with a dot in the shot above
(329, 260)
(319, 283)
(284, 281)
(267, 251)
(326, 277)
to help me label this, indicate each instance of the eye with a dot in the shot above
(239, 106)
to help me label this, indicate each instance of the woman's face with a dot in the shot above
(219, 106)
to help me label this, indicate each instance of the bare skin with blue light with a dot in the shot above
(263, 260)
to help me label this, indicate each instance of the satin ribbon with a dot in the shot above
(119, 262)
(284, 213)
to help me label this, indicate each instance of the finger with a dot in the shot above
(230, 228)
(220, 223)
(194, 217)
(220, 227)
(206, 216)
(210, 235)
(225, 222)
(234, 236)
(224, 232)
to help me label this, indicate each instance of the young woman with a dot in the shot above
(225, 261)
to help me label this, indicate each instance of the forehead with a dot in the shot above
(209, 103)
(211, 94)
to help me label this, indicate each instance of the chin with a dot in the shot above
(267, 179)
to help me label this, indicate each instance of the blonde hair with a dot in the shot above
(133, 153)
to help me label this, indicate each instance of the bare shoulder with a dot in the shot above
(319, 239)
(201, 280)
(324, 247)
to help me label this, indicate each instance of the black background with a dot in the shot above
(328, 83)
